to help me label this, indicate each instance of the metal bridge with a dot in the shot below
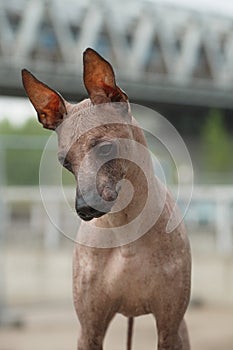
(160, 52)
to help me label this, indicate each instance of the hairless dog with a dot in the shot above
(125, 263)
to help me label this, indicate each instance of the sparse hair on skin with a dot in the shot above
(127, 262)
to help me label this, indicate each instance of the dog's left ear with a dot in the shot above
(49, 105)
(99, 79)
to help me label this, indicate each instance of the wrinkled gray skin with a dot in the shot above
(152, 273)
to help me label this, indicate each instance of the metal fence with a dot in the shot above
(209, 218)
(32, 247)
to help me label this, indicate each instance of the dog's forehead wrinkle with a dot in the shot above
(78, 108)
(86, 118)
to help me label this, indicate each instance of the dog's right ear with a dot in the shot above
(99, 79)
(49, 105)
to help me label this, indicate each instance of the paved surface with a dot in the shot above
(55, 327)
(32, 276)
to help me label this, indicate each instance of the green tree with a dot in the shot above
(30, 127)
(216, 144)
(22, 147)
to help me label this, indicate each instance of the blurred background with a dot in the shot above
(174, 56)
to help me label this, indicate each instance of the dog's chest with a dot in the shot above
(130, 281)
(128, 250)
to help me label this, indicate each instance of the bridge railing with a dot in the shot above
(209, 219)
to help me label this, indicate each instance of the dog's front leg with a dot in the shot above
(172, 330)
(92, 331)
(178, 340)
(94, 305)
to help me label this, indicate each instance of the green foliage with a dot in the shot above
(22, 166)
(21, 148)
(216, 144)
(30, 127)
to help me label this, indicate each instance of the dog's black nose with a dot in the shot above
(92, 207)
(85, 211)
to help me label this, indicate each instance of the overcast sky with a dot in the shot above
(18, 109)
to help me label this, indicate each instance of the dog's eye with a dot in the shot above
(106, 149)
(65, 163)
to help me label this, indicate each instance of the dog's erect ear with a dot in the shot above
(99, 79)
(48, 103)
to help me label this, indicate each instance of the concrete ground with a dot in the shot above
(48, 327)
(40, 281)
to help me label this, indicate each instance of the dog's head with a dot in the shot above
(90, 133)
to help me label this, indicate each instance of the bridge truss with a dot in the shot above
(160, 53)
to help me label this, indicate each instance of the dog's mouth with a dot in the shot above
(90, 213)
(87, 213)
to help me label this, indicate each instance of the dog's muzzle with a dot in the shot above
(88, 212)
